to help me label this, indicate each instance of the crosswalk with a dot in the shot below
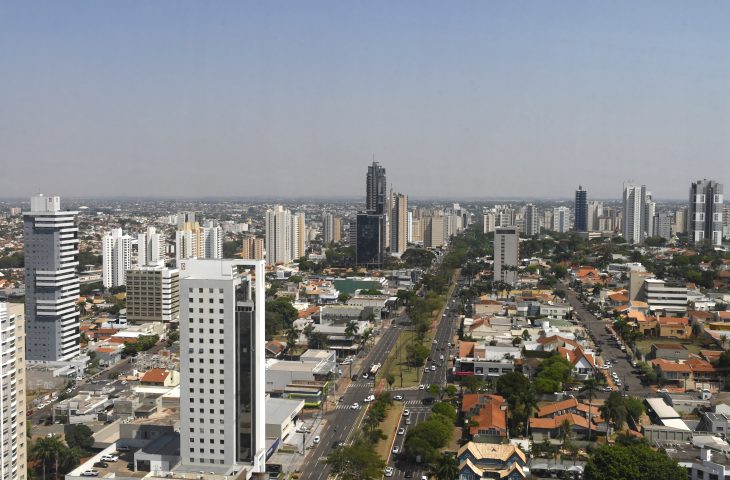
(410, 404)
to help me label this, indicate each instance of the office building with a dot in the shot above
(51, 280)
(370, 240)
(581, 210)
(595, 212)
(506, 254)
(399, 224)
(299, 236)
(636, 205)
(561, 219)
(150, 247)
(663, 226)
(489, 222)
(13, 439)
(532, 224)
(434, 230)
(153, 294)
(332, 227)
(222, 365)
(116, 258)
(664, 297)
(278, 236)
(705, 212)
(680, 220)
(253, 248)
(376, 190)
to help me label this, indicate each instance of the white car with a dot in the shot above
(90, 473)
(433, 368)
(398, 397)
(396, 449)
(369, 398)
(389, 471)
(406, 412)
(315, 440)
(355, 406)
(109, 458)
(422, 387)
(401, 431)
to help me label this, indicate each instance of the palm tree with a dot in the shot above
(446, 467)
(565, 431)
(590, 389)
(47, 450)
(351, 329)
(614, 410)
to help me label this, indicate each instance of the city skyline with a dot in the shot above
(445, 97)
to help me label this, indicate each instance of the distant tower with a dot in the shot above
(399, 223)
(51, 280)
(376, 189)
(278, 235)
(581, 210)
(506, 254)
(532, 226)
(705, 212)
(636, 205)
(561, 219)
(149, 247)
(116, 258)
(370, 236)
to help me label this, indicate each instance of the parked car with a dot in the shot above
(408, 420)
(401, 431)
(90, 473)
(396, 449)
(315, 440)
(406, 412)
(389, 471)
(101, 464)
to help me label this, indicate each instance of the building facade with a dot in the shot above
(532, 223)
(278, 236)
(561, 219)
(13, 455)
(705, 212)
(153, 294)
(399, 223)
(634, 212)
(253, 248)
(370, 240)
(51, 280)
(506, 254)
(150, 247)
(331, 228)
(222, 364)
(116, 258)
(581, 210)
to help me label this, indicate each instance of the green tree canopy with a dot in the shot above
(632, 462)
(80, 436)
(358, 461)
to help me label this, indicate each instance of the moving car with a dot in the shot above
(369, 398)
(398, 397)
(433, 368)
(355, 406)
(422, 387)
(396, 449)
(401, 431)
(389, 471)
(315, 440)
(406, 412)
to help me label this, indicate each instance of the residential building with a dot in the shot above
(193, 241)
(506, 254)
(434, 230)
(489, 414)
(150, 247)
(561, 219)
(279, 236)
(51, 280)
(399, 224)
(485, 460)
(153, 294)
(532, 224)
(13, 455)
(595, 212)
(222, 365)
(705, 212)
(489, 222)
(116, 258)
(332, 226)
(581, 210)
(299, 237)
(486, 361)
(663, 296)
(680, 220)
(635, 200)
(253, 248)
(663, 226)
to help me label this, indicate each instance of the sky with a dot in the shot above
(467, 99)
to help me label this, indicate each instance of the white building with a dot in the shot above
(13, 455)
(150, 247)
(664, 297)
(278, 236)
(506, 254)
(489, 221)
(332, 227)
(532, 224)
(194, 241)
(561, 219)
(51, 280)
(116, 258)
(222, 365)
(637, 205)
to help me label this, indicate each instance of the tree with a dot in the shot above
(445, 409)
(47, 451)
(564, 432)
(172, 337)
(351, 329)
(390, 379)
(472, 383)
(292, 335)
(80, 436)
(417, 354)
(358, 461)
(632, 462)
(434, 389)
(590, 389)
(343, 297)
(445, 467)
(517, 390)
(551, 373)
(614, 410)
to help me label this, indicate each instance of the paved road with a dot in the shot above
(611, 352)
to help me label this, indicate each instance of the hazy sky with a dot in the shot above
(484, 98)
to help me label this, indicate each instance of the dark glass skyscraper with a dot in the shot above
(581, 210)
(376, 191)
(370, 235)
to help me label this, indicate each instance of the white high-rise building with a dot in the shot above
(595, 212)
(298, 236)
(194, 241)
(13, 456)
(398, 223)
(409, 229)
(635, 208)
(222, 366)
(705, 212)
(663, 226)
(278, 236)
(116, 258)
(532, 225)
(212, 239)
(51, 280)
(331, 228)
(506, 254)
(561, 219)
(149, 247)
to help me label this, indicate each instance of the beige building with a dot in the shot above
(13, 455)
(399, 223)
(153, 294)
(434, 230)
(253, 248)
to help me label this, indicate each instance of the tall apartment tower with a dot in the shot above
(506, 254)
(595, 212)
(581, 210)
(299, 235)
(680, 220)
(149, 247)
(194, 241)
(705, 212)
(371, 231)
(51, 280)
(222, 366)
(116, 258)
(532, 225)
(434, 230)
(376, 190)
(253, 248)
(332, 225)
(489, 221)
(663, 226)
(153, 294)
(13, 455)
(278, 235)
(635, 209)
(561, 219)
(399, 223)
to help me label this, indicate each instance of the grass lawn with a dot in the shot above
(644, 345)
(396, 362)
(389, 428)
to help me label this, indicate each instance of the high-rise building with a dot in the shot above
(222, 366)
(278, 236)
(532, 226)
(150, 247)
(595, 212)
(489, 221)
(298, 236)
(636, 205)
(116, 258)
(561, 219)
(649, 214)
(416, 229)
(332, 226)
(51, 280)
(581, 210)
(506, 254)
(212, 240)
(434, 230)
(663, 226)
(153, 294)
(705, 212)
(726, 222)
(13, 455)
(680, 220)
(194, 241)
(253, 248)
(185, 218)
(370, 240)
(376, 190)
(399, 223)
(409, 228)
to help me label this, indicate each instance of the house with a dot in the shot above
(551, 427)
(485, 361)
(489, 414)
(275, 349)
(486, 460)
(589, 276)
(569, 405)
(160, 377)
(669, 351)
(582, 362)
(693, 373)
(555, 310)
(671, 327)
